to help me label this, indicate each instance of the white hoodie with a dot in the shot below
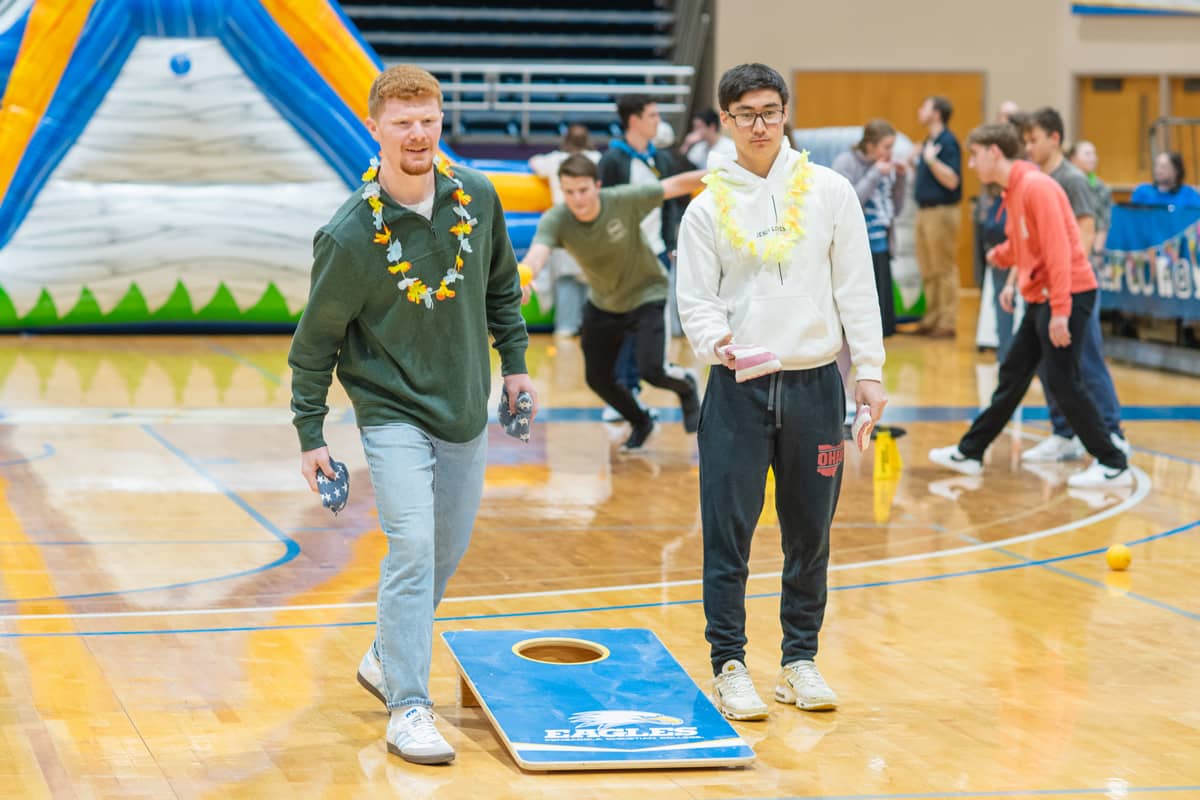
(797, 309)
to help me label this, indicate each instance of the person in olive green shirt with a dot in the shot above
(601, 229)
(409, 278)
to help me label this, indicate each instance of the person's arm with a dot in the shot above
(899, 191)
(503, 300)
(866, 184)
(854, 294)
(1087, 232)
(944, 163)
(683, 184)
(698, 283)
(1049, 224)
(334, 299)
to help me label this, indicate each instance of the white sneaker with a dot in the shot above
(370, 674)
(800, 682)
(610, 414)
(1055, 448)
(412, 735)
(1121, 443)
(734, 694)
(1098, 476)
(951, 458)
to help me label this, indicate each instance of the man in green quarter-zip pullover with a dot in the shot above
(409, 278)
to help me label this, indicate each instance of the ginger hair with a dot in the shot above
(402, 82)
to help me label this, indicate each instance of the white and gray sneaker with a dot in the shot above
(951, 458)
(412, 735)
(800, 682)
(1098, 476)
(1055, 448)
(734, 694)
(370, 674)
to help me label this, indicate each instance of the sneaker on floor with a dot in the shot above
(1121, 443)
(800, 682)
(610, 414)
(640, 433)
(412, 735)
(951, 458)
(690, 403)
(1099, 476)
(1055, 448)
(734, 694)
(370, 674)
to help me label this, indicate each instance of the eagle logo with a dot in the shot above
(603, 720)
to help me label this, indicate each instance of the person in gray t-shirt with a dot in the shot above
(1043, 142)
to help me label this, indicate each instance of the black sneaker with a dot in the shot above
(640, 433)
(690, 403)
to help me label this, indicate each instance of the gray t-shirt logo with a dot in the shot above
(615, 230)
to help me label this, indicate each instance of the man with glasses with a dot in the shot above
(773, 256)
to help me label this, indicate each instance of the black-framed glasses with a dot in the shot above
(746, 119)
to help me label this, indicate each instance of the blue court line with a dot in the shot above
(291, 546)
(1106, 792)
(628, 606)
(47, 451)
(1101, 585)
(225, 351)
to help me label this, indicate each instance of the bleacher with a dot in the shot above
(518, 71)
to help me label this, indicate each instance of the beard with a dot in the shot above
(416, 166)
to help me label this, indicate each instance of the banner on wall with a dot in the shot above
(1152, 7)
(1152, 262)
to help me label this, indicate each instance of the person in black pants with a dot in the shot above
(627, 286)
(1059, 287)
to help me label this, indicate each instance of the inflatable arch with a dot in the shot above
(166, 162)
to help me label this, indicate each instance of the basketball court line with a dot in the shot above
(636, 606)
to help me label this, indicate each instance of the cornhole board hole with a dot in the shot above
(579, 699)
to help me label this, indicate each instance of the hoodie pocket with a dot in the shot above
(788, 325)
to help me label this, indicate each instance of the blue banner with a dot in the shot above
(1150, 262)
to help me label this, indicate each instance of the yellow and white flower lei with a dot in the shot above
(779, 245)
(414, 288)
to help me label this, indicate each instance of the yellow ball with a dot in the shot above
(526, 275)
(1118, 557)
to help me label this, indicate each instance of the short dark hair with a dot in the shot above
(1020, 121)
(1177, 162)
(630, 105)
(1048, 120)
(578, 166)
(744, 78)
(942, 106)
(1001, 134)
(709, 117)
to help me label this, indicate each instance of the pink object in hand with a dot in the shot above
(860, 431)
(751, 361)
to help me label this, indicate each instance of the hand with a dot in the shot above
(901, 167)
(515, 384)
(526, 293)
(871, 393)
(884, 167)
(990, 257)
(930, 152)
(311, 461)
(725, 361)
(1008, 296)
(1060, 334)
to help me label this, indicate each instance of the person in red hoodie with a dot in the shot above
(1059, 288)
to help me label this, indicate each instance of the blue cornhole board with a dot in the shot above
(634, 708)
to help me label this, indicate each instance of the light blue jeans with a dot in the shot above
(427, 492)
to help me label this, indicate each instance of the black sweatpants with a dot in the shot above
(791, 422)
(1030, 346)
(601, 337)
(883, 287)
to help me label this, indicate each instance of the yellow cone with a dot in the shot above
(887, 457)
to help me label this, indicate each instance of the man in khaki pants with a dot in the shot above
(938, 191)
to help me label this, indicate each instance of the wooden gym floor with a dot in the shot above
(180, 618)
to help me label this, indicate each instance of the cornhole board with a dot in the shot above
(630, 706)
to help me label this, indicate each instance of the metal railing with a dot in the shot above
(525, 90)
(1181, 134)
